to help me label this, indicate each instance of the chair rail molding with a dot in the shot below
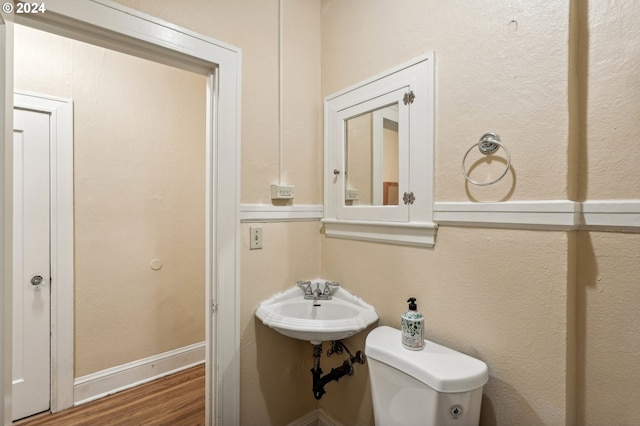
(611, 215)
(272, 213)
(553, 215)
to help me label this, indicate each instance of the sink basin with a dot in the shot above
(289, 313)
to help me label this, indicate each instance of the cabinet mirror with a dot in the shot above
(371, 169)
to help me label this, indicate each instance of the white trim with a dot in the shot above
(106, 382)
(62, 260)
(553, 215)
(127, 30)
(611, 215)
(315, 418)
(544, 214)
(309, 419)
(536, 214)
(271, 213)
(326, 420)
(111, 25)
(6, 211)
(559, 215)
(405, 233)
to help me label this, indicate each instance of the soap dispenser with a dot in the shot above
(413, 327)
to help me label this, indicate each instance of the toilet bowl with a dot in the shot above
(432, 386)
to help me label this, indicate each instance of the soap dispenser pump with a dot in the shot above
(413, 327)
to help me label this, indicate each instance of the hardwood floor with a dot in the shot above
(177, 399)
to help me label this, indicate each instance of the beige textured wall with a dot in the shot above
(608, 263)
(139, 194)
(611, 53)
(474, 300)
(559, 309)
(500, 67)
(608, 324)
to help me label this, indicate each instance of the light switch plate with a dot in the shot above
(256, 237)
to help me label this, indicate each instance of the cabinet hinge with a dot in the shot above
(214, 307)
(408, 97)
(408, 198)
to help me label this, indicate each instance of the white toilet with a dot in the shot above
(432, 386)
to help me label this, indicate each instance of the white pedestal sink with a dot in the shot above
(289, 313)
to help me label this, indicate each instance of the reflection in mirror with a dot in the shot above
(371, 158)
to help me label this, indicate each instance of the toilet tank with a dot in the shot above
(432, 386)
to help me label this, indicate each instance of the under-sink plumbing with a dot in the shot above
(337, 347)
(316, 294)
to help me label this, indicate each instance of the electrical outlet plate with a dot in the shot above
(281, 192)
(351, 194)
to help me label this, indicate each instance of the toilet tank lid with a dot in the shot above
(437, 366)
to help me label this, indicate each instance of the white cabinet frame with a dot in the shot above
(410, 224)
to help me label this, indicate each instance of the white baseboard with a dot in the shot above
(316, 418)
(102, 383)
(326, 420)
(309, 419)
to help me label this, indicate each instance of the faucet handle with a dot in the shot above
(330, 287)
(305, 286)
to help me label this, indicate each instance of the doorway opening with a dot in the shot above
(109, 25)
(138, 203)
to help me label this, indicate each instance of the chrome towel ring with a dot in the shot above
(488, 144)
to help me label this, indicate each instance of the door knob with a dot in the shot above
(37, 280)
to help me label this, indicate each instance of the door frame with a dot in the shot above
(110, 25)
(60, 113)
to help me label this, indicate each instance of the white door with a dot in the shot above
(31, 264)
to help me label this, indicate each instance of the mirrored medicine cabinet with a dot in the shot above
(379, 161)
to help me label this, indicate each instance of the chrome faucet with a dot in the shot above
(316, 295)
(328, 290)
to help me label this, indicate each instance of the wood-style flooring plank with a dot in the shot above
(178, 399)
